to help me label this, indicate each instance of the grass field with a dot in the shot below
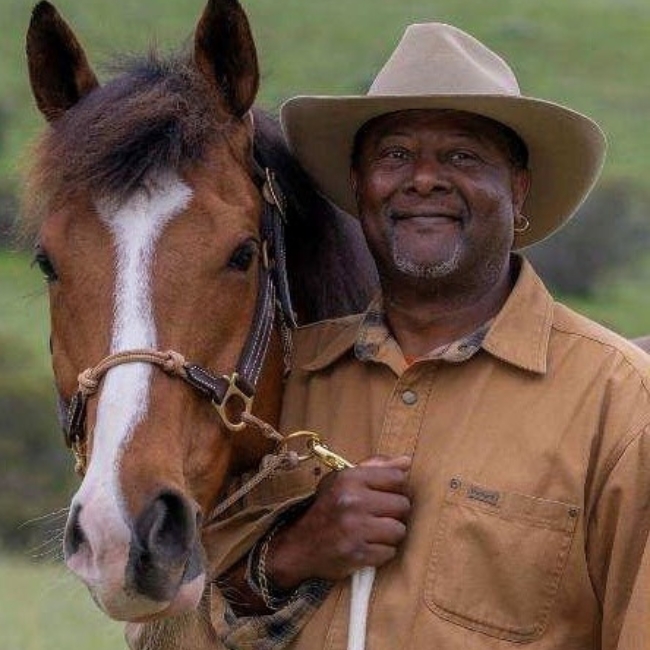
(591, 54)
(42, 607)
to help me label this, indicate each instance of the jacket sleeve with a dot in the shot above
(618, 547)
(231, 539)
(275, 630)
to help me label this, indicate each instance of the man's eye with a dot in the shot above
(42, 260)
(395, 153)
(463, 157)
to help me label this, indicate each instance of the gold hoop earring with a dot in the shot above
(522, 224)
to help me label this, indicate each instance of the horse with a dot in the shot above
(180, 242)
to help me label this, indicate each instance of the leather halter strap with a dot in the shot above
(221, 390)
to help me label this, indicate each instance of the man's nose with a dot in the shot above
(429, 175)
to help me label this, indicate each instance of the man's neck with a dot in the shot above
(423, 320)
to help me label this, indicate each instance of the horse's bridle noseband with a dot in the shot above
(222, 390)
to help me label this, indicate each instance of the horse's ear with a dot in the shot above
(224, 51)
(59, 72)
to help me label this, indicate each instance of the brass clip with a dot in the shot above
(326, 456)
(318, 449)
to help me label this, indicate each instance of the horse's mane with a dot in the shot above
(159, 114)
(330, 269)
(154, 115)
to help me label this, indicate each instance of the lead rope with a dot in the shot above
(362, 580)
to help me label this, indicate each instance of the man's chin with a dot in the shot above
(427, 268)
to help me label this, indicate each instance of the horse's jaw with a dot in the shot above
(186, 600)
(190, 631)
(121, 605)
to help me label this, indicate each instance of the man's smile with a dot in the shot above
(427, 219)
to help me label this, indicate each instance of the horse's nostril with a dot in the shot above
(74, 536)
(165, 543)
(166, 529)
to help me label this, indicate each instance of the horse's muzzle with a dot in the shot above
(160, 569)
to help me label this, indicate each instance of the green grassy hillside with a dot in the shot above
(23, 306)
(42, 607)
(591, 54)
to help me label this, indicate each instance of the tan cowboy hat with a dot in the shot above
(441, 67)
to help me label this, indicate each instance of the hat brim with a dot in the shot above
(566, 149)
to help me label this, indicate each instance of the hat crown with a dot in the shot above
(439, 59)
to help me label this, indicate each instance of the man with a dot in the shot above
(505, 491)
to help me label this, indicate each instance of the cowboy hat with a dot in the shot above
(437, 66)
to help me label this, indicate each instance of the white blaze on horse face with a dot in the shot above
(136, 226)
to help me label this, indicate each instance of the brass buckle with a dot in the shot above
(233, 392)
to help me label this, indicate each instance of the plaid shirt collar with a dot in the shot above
(374, 340)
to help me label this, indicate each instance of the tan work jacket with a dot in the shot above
(530, 482)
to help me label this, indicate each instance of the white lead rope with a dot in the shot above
(362, 581)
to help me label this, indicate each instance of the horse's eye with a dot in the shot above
(243, 256)
(44, 263)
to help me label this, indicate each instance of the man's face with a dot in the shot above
(437, 195)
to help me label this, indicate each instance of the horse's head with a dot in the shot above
(148, 216)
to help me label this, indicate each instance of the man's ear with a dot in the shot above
(521, 180)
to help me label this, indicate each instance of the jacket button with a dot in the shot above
(409, 397)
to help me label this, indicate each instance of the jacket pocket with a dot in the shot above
(498, 559)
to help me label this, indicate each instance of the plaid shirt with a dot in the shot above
(276, 630)
(374, 339)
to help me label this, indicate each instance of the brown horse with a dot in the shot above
(150, 206)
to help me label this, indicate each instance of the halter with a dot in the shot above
(225, 390)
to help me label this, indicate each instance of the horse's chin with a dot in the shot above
(135, 608)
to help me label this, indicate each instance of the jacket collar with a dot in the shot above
(521, 330)
(519, 334)
(341, 343)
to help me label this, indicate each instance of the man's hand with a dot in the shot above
(358, 518)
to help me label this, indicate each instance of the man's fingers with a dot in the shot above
(398, 462)
(386, 475)
(385, 531)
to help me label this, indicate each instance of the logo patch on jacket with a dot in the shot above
(491, 497)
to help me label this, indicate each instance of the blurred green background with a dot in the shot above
(591, 55)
